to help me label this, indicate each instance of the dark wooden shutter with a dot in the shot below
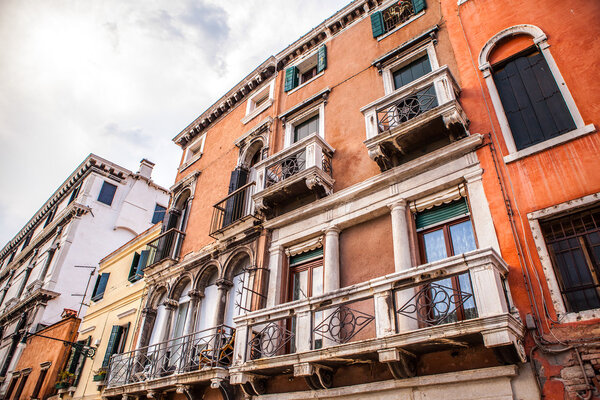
(377, 24)
(134, 267)
(532, 101)
(100, 286)
(142, 263)
(442, 213)
(239, 176)
(113, 342)
(291, 78)
(81, 362)
(419, 5)
(322, 59)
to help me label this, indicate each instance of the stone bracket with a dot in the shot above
(252, 385)
(401, 363)
(317, 376)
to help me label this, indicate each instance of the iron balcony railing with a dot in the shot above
(397, 14)
(236, 206)
(436, 90)
(205, 349)
(166, 246)
(466, 293)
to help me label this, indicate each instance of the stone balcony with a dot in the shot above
(418, 118)
(393, 319)
(302, 169)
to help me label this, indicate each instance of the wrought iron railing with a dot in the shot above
(455, 290)
(406, 108)
(285, 168)
(397, 14)
(235, 206)
(167, 245)
(205, 349)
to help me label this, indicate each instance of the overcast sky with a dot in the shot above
(120, 79)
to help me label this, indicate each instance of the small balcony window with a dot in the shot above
(394, 16)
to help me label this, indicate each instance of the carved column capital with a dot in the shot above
(224, 284)
(171, 304)
(196, 294)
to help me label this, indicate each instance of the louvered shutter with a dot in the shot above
(113, 343)
(134, 267)
(442, 213)
(377, 24)
(418, 5)
(291, 78)
(322, 59)
(142, 263)
(81, 361)
(100, 286)
(306, 256)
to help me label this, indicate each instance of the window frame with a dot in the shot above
(308, 59)
(106, 183)
(387, 72)
(308, 265)
(536, 218)
(539, 40)
(291, 124)
(251, 109)
(389, 4)
(198, 145)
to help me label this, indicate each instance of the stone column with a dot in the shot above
(480, 212)
(276, 255)
(332, 259)
(400, 237)
(223, 287)
(402, 262)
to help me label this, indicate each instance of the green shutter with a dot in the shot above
(419, 5)
(134, 267)
(322, 60)
(291, 78)
(377, 24)
(442, 213)
(303, 257)
(100, 286)
(142, 263)
(113, 343)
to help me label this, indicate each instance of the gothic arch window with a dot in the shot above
(533, 105)
(159, 320)
(238, 299)
(208, 304)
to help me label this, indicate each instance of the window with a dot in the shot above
(414, 70)
(534, 107)
(100, 287)
(22, 383)
(194, 151)
(573, 242)
(159, 214)
(11, 386)
(306, 128)
(532, 102)
(107, 193)
(306, 70)
(306, 275)
(394, 16)
(39, 382)
(116, 342)
(50, 216)
(140, 261)
(26, 241)
(77, 359)
(74, 194)
(444, 231)
(259, 101)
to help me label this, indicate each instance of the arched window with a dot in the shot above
(239, 297)
(208, 305)
(181, 315)
(534, 107)
(159, 321)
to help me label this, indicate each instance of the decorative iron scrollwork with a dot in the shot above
(343, 324)
(397, 14)
(270, 340)
(406, 109)
(285, 168)
(434, 304)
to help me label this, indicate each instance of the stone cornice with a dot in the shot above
(40, 295)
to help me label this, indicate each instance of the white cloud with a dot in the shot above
(120, 79)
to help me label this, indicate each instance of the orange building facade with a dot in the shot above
(357, 219)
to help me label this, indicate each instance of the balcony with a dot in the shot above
(234, 209)
(294, 173)
(418, 118)
(165, 247)
(393, 319)
(198, 357)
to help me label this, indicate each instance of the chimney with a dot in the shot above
(146, 167)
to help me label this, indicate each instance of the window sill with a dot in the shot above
(402, 25)
(256, 112)
(307, 82)
(187, 164)
(565, 137)
(580, 316)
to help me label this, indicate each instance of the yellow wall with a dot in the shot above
(120, 298)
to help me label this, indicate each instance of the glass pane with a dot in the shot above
(318, 344)
(435, 246)
(180, 319)
(462, 237)
(306, 128)
(317, 284)
(466, 289)
(208, 308)
(300, 288)
(411, 72)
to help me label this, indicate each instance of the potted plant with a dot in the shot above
(65, 380)
(100, 375)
